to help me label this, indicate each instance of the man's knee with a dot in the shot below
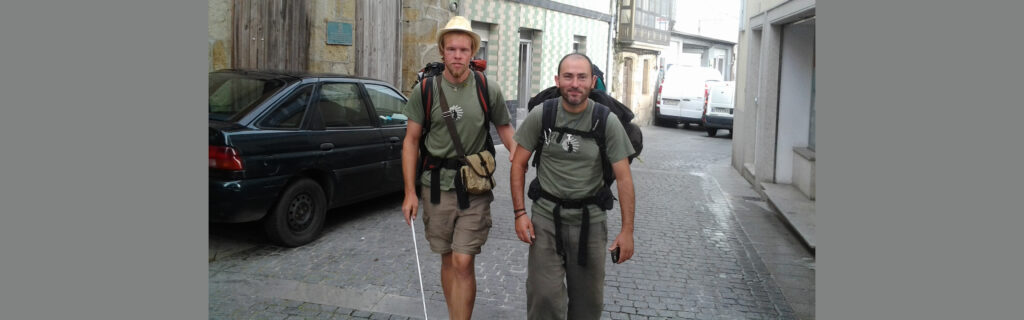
(462, 264)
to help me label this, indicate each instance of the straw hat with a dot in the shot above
(458, 24)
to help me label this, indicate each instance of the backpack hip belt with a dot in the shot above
(434, 165)
(603, 199)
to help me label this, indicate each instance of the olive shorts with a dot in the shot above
(450, 229)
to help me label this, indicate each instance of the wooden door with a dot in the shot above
(271, 34)
(378, 40)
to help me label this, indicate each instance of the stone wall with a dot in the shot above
(420, 22)
(219, 25)
(324, 57)
(642, 102)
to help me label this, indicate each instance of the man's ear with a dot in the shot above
(593, 81)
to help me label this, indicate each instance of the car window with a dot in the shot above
(289, 114)
(232, 94)
(341, 105)
(387, 103)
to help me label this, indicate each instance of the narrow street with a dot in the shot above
(707, 248)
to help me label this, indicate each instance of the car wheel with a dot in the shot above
(660, 122)
(298, 216)
(712, 132)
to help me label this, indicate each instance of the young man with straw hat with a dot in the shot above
(456, 223)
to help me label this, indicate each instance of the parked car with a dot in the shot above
(718, 106)
(681, 95)
(285, 147)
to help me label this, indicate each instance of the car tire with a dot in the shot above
(660, 122)
(712, 132)
(298, 217)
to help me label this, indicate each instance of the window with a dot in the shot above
(484, 31)
(288, 115)
(647, 76)
(231, 94)
(388, 104)
(579, 44)
(482, 53)
(341, 105)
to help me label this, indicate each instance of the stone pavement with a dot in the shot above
(707, 248)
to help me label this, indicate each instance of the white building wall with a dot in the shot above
(774, 78)
(794, 96)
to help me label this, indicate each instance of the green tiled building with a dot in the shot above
(525, 40)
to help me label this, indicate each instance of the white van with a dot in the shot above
(681, 97)
(718, 107)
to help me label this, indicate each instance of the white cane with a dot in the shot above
(418, 272)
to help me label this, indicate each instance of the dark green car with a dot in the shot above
(286, 147)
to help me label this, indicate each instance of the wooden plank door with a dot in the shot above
(271, 34)
(378, 40)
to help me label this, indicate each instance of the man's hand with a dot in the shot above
(624, 241)
(524, 229)
(409, 207)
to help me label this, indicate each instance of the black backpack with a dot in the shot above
(620, 110)
(597, 132)
(425, 78)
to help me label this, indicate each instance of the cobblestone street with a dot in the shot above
(706, 246)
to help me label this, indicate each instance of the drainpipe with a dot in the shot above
(612, 29)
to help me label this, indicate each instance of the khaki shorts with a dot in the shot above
(450, 229)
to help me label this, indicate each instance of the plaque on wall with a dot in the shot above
(339, 33)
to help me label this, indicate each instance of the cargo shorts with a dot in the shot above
(449, 228)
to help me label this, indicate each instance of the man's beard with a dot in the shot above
(455, 72)
(584, 94)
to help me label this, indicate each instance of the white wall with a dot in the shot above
(794, 96)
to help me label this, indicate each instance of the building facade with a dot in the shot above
(774, 142)
(354, 37)
(643, 32)
(523, 41)
(697, 50)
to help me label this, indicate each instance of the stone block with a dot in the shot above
(336, 53)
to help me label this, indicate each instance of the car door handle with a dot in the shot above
(327, 146)
(394, 139)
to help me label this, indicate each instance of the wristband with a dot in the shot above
(518, 214)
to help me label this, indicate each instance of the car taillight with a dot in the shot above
(705, 99)
(659, 94)
(225, 158)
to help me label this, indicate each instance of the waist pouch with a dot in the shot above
(478, 173)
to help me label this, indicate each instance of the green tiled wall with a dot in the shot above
(554, 39)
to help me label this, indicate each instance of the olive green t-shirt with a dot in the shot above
(572, 169)
(469, 121)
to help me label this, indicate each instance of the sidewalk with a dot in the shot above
(794, 209)
(785, 252)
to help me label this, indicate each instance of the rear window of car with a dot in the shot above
(232, 94)
(723, 98)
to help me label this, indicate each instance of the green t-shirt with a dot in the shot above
(572, 169)
(469, 121)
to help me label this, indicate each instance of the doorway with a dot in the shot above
(525, 73)
(270, 35)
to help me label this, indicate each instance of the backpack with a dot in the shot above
(625, 115)
(425, 78)
(597, 132)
